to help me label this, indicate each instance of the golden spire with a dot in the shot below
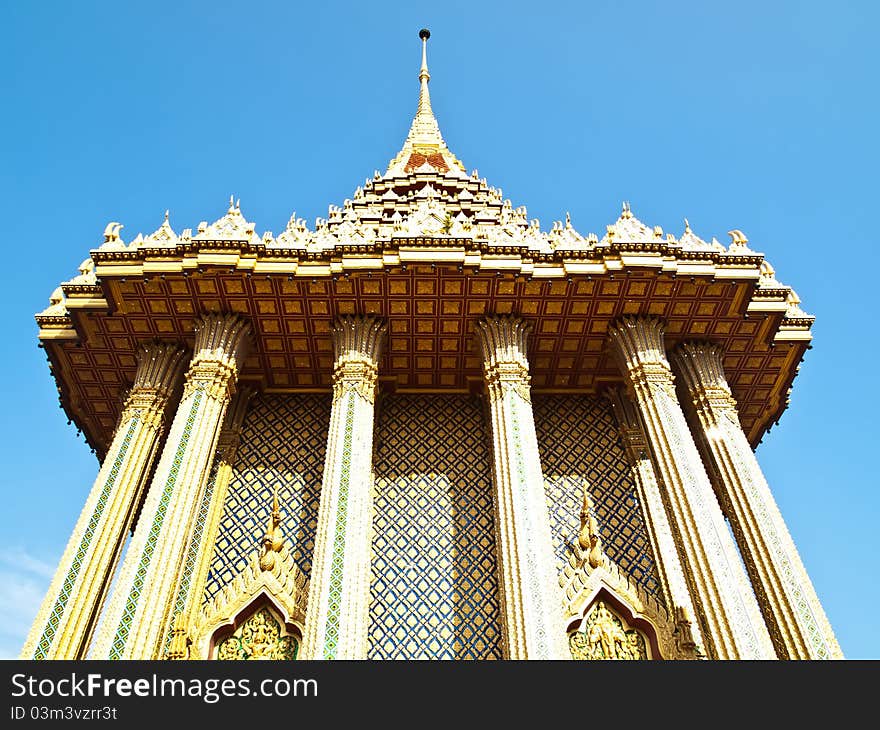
(424, 108)
(424, 143)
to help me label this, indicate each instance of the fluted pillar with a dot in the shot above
(676, 594)
(66, 619)
(530, 595)
(797, 622)
(337, 616)
(731, 620)
(196, 563)
(139, 608)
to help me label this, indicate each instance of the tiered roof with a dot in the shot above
(426, 213)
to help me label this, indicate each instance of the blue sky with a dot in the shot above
(751, 115)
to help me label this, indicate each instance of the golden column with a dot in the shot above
(138, 610)
(67, 616)
(194, 570)
(530, 594)
(672, 579)
(730, 618)
(337, 617)
(797, 623)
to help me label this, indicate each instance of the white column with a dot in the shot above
(676, 593)
(791, 608)
(64, 624)
(531, 598)
(139, 608)
(729, 615)
(337, 616)
(197, 562)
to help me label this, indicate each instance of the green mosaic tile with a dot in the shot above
(54, 621)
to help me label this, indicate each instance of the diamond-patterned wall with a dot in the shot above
(577, 440)
(434, 591)
(282, 443)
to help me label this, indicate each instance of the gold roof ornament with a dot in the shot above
(273, 540)
(588, 537)
(738, 242)
(231, 227)
(424, 149)
(690, 241)
(164, 235)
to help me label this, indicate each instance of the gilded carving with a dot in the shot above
(604, 636)
(588, 537)
(259, 637)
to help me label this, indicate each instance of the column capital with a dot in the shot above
(357, 347)
(701, 368)
(504, 340)
(503, 344)
(358, 339)
(637, 342)
(159, 367)
(222, 341)
(639, 339)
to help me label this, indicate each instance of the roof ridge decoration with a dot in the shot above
(164, 235)
(231, 227)
(424, 150)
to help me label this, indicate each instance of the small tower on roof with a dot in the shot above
(424, 144)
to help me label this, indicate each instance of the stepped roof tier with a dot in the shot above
(431, 248)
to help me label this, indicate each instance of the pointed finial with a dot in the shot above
(424, 77)
(272, 540)
(166, 215)
(231, 204)
(567, 219)
(626, 212)
(588, 537)
(687, 226)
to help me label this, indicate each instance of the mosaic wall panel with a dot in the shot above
(578, 439)
(434, 591)
(282, 444)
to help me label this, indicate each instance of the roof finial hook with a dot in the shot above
(687, 226)
(231, 204)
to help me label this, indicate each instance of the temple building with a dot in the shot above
(427, 427)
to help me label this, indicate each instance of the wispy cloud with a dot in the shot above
(19, 558)
(24, 579)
